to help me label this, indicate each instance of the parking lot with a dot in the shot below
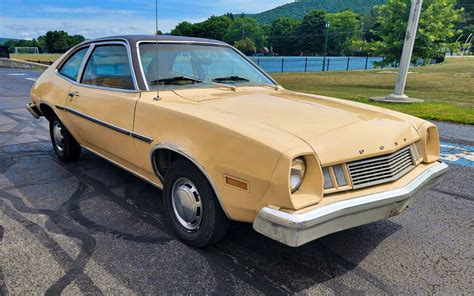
(92, 228)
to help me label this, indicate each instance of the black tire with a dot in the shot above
(68, 150)
(213, 224)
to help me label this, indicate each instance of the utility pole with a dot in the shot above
(398, 96)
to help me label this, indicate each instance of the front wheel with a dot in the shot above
(192, 206)
(65, 146)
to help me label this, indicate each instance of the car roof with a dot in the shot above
(132, 39)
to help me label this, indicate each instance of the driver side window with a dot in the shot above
(108, 66)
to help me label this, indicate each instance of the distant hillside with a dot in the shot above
(3, 40)
(299, 8)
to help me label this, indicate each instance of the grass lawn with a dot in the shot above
(36, 57)
(447, 88)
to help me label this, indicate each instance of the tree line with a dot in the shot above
(380, 32)
(51, 42)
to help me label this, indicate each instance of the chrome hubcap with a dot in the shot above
(58, 136)
(187, 204)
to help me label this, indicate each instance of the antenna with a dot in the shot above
(156, 47)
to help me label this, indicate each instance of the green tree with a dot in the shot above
(266, 29)
(21, 43)
(215, 27)
(467, 25)
(245, 27)
(284, 35)
(230, 15)
(75, 40)
(436, 28)
(246, 46)
(56, 41)
(11, 45)
(344, 32)
(52, 42)
(370, 25)
(312, 31)
(183, 29)
(42, 43)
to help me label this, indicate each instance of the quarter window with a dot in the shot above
(108, 66)
(70, 69)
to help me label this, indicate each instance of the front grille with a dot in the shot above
(381, 169)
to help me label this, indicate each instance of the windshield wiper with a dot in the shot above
(243, 79)
(231, 78)
(175, 80)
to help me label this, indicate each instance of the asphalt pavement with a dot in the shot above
(92, 228)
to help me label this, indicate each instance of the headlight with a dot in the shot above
(298, 168)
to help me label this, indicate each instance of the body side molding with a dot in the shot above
(107, 125)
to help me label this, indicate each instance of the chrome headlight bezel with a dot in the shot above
(297, 173)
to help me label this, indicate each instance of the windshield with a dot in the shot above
(185, 66)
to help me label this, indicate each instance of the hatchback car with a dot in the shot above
(225, 141)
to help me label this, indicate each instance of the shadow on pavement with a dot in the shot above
(119, 223)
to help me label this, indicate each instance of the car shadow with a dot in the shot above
(120, 224)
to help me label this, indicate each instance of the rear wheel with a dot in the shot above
(65, 146)
(192, 206)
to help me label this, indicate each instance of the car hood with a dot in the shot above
(337, 131)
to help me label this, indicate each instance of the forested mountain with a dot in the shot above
(299, 8)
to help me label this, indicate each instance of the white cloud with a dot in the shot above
(89, 27)
(95, 21)
(90, 10)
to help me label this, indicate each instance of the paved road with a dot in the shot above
(90, 227)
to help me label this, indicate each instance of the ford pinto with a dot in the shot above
(198, 119)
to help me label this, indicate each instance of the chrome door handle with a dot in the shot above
(73, 94)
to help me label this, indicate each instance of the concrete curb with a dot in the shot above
(19, 64)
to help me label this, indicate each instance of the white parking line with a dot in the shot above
(32, 79)
(17, 74)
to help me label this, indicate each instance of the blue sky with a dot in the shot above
(29, 18)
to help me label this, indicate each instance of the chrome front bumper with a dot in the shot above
(31, 107)
(297, 229)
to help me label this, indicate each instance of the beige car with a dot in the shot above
(226, 142)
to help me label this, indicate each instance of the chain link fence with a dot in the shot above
(321, 64)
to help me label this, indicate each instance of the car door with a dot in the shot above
(67, 75)
(101, 106)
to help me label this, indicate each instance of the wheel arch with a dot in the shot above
(47, 110)
(163, 155)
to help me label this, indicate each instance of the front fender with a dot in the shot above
(221, 145)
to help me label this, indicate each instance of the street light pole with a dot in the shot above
(326, 38)
(326, 43)
(398, 96)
